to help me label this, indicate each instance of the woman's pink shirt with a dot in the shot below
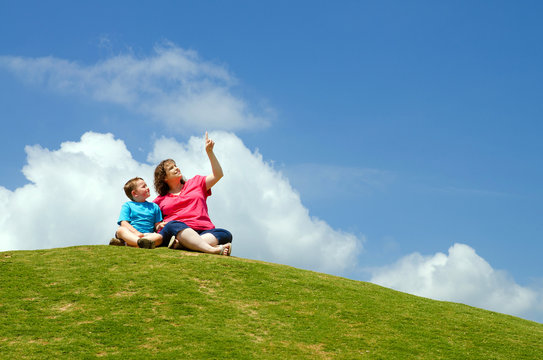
(189, 206)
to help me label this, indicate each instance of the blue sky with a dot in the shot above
(411, 126)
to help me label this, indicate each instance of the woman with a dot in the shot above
(184, 207)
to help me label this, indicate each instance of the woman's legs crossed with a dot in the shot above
(193, 241)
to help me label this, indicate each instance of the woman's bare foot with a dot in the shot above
(225, 249)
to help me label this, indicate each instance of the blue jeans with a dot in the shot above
(174, 227)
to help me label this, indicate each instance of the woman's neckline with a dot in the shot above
(177, 193)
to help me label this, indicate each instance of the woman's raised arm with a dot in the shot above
(216, 170)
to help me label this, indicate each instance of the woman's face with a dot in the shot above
(172, 171)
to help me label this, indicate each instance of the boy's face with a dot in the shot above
(141, 192)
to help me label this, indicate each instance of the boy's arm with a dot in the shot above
(127, 225)
(159, 223)
(216, 169)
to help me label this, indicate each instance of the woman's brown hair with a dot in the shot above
(161, 187)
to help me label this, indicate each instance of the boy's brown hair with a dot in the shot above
(131, 186)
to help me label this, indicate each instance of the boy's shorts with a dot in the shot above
(174, 227)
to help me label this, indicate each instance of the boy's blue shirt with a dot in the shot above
(141, 215)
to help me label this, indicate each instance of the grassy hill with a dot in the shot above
(124, 303)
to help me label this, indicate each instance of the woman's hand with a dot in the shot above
(209, 144)
(160, 226)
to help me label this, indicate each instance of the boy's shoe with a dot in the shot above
(146, 243)
(116, 242)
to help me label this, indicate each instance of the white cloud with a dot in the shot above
(461, 276)
(75, 196)
(174, 86)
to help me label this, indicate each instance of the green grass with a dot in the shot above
(124, 303)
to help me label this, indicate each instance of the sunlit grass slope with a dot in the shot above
(123, 303)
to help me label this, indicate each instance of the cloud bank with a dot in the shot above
(461, 276)
(75, 194)
(173, 86)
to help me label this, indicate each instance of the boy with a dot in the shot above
(138, 218)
